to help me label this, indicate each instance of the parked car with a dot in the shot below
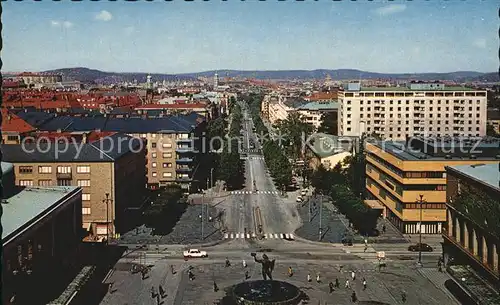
(299, 199)
(420, 247)
(303, 193)
(194, 253)
(347, 241)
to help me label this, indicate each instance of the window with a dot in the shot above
(167, 145)
(83, 169)
(25, 169)
(63, 182)
(85, 211)
(85, 197)
(84, 182)
(167, 165)
(26, 182)
(153, 155)
(154, 174)
(167, 155)
(153, 145)
(64, 169)
(44, 182)
(167, 174)
(45, 169)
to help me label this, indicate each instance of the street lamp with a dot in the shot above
(320, 209)
(420, 201)
(107, 217)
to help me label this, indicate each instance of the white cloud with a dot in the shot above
(104, 16)
(390, 9)
(64, 24)
(480, 43)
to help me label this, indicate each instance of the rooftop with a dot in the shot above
(13, 123)
(106, 149)
(30, 204)
(403, 88)
(437, 149)
(319, 106)
(326, 145)
(488, 174)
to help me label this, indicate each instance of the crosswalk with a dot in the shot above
(286, 236)
(370, 254)
(254, 192)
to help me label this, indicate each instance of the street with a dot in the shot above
(260, 203)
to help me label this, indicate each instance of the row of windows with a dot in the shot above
(164, 145)
(60, 182)
(165, 165)
(420, 93)
(168, 135)
(407, 174)
(165, 155)
(165, 175)
(430, 101)
(400, 205)
(81, 169)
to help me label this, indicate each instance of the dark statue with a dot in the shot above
(267, 265)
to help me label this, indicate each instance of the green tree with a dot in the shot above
(490, 131)
(296, 130)
(329, 123)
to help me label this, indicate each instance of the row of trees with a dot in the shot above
(345, 184)
(230, 167)
(277, 162)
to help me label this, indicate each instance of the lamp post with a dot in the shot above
(107, 217)
(320, 209)
(420, 201)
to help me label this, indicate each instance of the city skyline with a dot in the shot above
(178, 37)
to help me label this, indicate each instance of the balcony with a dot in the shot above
(183, 160)
(183, 169)
(183, 179)
(184, 149)
(186, 140)
(64, 176)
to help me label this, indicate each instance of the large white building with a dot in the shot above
(428, 109)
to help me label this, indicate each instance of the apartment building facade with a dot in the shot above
(111, 173)
(397, 173)
(428, 109)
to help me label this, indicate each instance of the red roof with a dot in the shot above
(13, 123)
(173, 106)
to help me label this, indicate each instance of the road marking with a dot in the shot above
(254, 192)
(285, 236)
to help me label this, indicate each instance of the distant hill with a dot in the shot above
(95, 76)
(87, 75)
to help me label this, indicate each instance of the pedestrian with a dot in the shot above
(347, 284)
(158, 299)
(216, 288)
(143, 273)
(383, 229)
(309, 277)
(246, 275)
(403, 296)
(353, 276)
(318, 279)
(244, 264)
(337, 283)
(228, 264)
(290, 271)
(366, 248)
(191, 275)
(440, 267)
(110, 288)
(331, 287)
(172, 269)
(153, 292)
(364, 284)
(354, 297)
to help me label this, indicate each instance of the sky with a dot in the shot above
(183, 37)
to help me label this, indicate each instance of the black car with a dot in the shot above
(347, 241)
(420, 247)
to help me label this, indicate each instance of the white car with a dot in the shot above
(299, 199)
(303, 193)
(195, 253)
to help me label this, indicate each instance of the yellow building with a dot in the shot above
(397, 173)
